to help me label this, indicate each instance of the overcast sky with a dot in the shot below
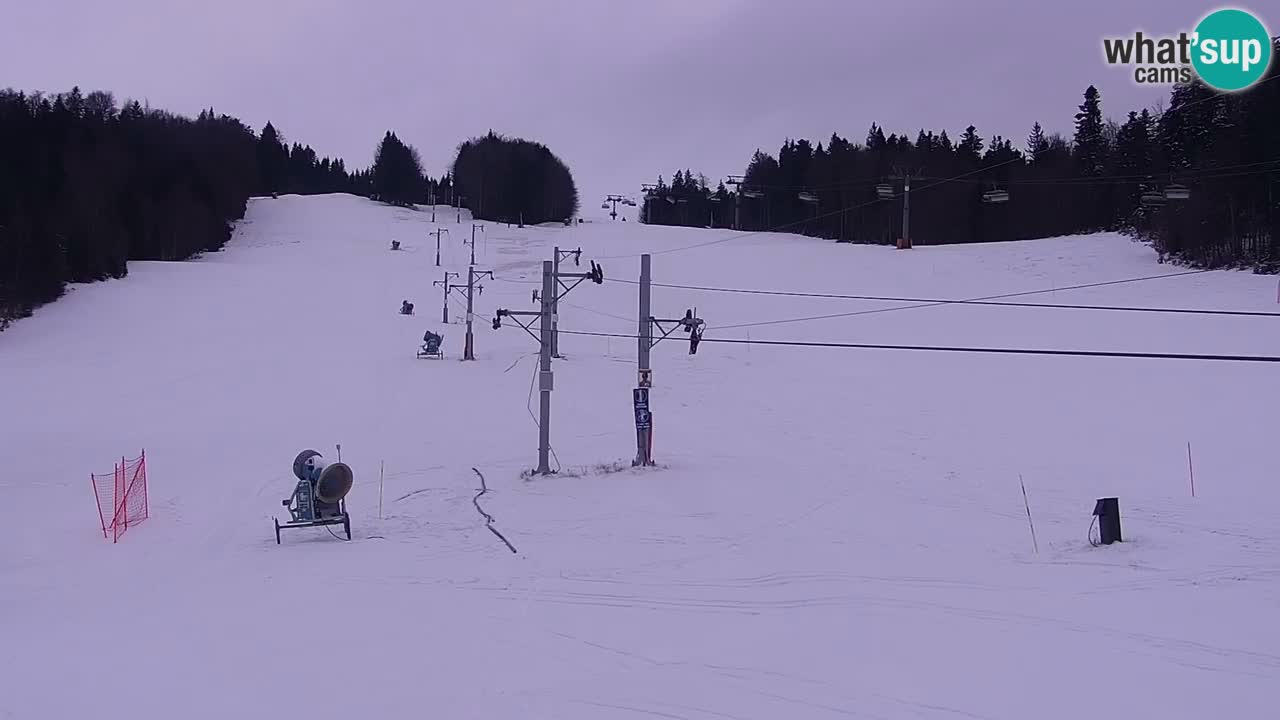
(641, 88)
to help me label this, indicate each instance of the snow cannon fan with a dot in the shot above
(319, 498)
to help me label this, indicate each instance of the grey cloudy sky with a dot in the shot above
(622, 91)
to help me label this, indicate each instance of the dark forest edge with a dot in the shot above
(86, 186)
(1223, 149)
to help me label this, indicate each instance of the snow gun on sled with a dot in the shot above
(319, 497)
(431, 346)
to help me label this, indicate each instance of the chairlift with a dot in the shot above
(995, 196)
(884, 191)
(1153, 198)
(1177, 192)
(808, 197)
(604, 205)
(752, 194)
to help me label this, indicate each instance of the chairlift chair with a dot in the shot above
(1153, 198)
(1177, 192)
(808, 197)
(995, 196)
(884, 191)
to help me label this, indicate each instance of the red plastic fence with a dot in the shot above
(122, 496)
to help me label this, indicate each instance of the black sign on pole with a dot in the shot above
(644, 426)
(640, 398)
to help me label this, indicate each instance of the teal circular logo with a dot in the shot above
(1232, 49)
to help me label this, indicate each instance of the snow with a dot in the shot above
(830, 532)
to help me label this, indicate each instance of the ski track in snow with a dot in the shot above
(829, 533)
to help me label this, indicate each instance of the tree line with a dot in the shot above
(1199, 179)
(86, 186)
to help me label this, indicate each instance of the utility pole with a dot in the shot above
(644, 374)
(473, 241)
(445, 284)
(904, 243)
(690, 323)
(469, 351)
(555, 304)
(548, 298)
(906, 210)
(437, 234)
(545, 382)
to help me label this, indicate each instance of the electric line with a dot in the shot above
(1205, 174)
(783, 226)
(601, 313)
(951, 302)
(986, 350)
(843, 210)
(988, 297)
(936, 301)
(1212, 173)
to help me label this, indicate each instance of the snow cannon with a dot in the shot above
(319, 498)
(332, 481)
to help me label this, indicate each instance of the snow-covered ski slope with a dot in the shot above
(831, 532)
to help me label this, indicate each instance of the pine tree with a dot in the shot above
(273, 160)
(1090, 143)
(397, 172)
(875, 138)
(1037, 143)
(970, 147)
